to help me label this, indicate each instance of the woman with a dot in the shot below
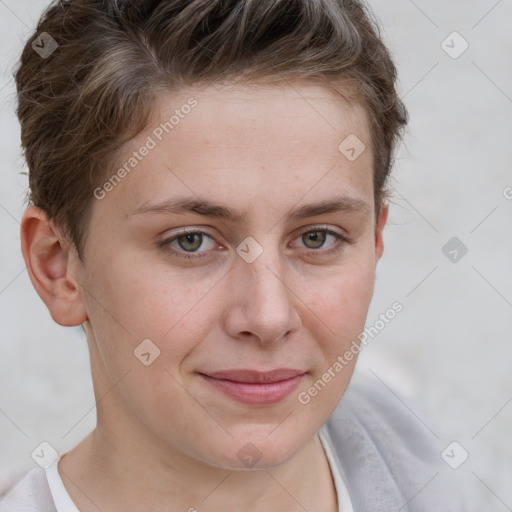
(207, 199)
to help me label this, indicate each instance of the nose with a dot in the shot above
(262, 303)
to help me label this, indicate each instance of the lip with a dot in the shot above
(256, 387)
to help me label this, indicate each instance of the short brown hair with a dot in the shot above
(95, 92)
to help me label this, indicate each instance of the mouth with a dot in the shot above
(255, 387)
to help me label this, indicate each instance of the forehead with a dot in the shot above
(307, 111)
(259, 140)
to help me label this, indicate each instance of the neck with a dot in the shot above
(105, 472)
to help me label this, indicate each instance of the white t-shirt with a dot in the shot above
(37, 489)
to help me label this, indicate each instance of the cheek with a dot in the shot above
(342, 296)
(142, 298)
(132, 303)
(337, 309)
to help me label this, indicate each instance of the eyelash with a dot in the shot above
(341, 241)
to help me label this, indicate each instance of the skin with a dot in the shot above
(263, 151)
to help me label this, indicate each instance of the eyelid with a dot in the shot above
(186, 231)
(319, 227)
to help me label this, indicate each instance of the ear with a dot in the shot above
(52, 264)
(379, 239)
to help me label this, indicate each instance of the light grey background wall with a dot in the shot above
(448, 353)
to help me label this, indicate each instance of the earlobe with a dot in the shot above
(49, 259)
(379, 238)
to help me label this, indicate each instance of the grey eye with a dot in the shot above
(316, 238)
(190, 241)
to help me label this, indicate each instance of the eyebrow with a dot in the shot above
(206, 208)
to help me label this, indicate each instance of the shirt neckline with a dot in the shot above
(61, 498)
(64, 503)
(344, 501)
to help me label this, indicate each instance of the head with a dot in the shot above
(208, 193)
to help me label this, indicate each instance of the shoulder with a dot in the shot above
(389, 455)
(30, 493)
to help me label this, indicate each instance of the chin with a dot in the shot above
(256, 450)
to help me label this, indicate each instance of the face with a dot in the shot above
(242, 239)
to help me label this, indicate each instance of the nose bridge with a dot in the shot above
(266, 278)
(264, 300)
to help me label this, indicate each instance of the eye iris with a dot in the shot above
(190, 238)
(317, 237)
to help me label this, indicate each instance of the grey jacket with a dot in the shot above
(389, 460)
